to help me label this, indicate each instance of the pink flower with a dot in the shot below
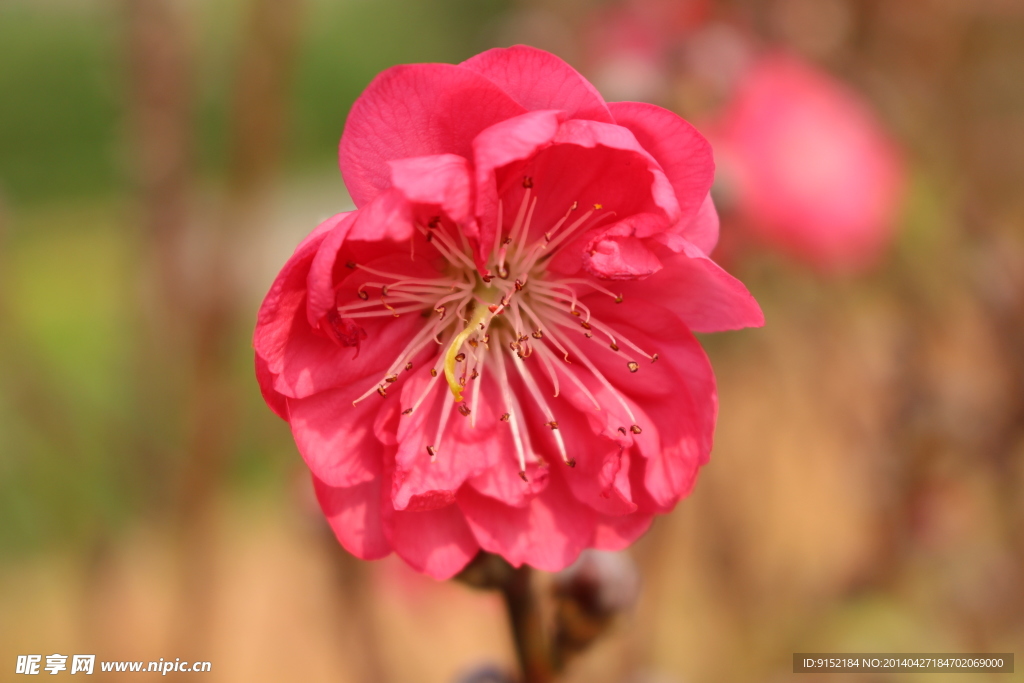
(810, 168)
(467, 360)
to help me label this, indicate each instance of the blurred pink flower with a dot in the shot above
(453, 358)
(809, 167)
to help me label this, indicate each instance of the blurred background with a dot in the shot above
(159, 160)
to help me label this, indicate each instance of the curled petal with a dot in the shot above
(682, 152)
(699, 291)
(441, 179)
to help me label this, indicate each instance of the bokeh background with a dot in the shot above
(159, 159)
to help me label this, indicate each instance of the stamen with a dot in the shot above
(520, 437)
(446, 411)
(535, 393)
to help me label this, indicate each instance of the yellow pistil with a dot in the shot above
(453, 350)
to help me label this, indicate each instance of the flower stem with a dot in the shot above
(524, 614)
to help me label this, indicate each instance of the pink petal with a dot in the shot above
(354, 515)
(505, 143)
(336, 438)
(539, 80)
(618, 533)
(286, 297)
(412, 111)
(371, 232)
(595, 167)
(620, 257)
(547, 534)
(684, 155)
(675, 400)
(702, 230)
(435, 542)
(442, 180)
(265, 378)
(696, 289)
(600, 475)
(464, 452)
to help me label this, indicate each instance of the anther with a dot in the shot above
(362, 295)
(459, 357)
(575, 205)
(430, 237)
(553, 424)
(407, 411)
(547, 237)
(508, 241)
(585, 325)
(505, 417)
(654, 357)
(434, 222)
(571, 462)
(635, 429)
(493, 308)
(622, 430)
(527, 182)
(575, 312)
(382, 391)
(474, 343)
(597, 207)
(391, 379)
(475, 374)
(503, 272)
(522, 475)
(633, 366)
(519, 286)
(588, 335)
(464, 409)
(523, 338)
(537, 334)
(433, 372)
(613, 346)
(618, 299)
(486, 277)
(351, 264)
(431, 451)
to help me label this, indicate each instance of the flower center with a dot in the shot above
(513, 311)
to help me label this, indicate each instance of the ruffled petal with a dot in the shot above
(674, 400)
(683, 153)
(286, 297)
(539, 80)
(463, 451)
(412, 111)
(435, 542)
(354, 515)
(594, 172)
(547, 534)
(509, 143)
